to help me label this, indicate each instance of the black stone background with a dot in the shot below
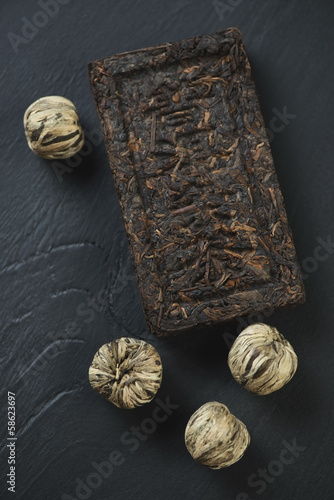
(63, 252)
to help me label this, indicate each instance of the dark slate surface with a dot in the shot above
(67, 285)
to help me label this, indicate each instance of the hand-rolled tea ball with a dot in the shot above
(127, 372)
(261, 359)
(52, 128)
(214, 437)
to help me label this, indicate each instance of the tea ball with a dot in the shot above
(214, 437)
(127, 372)
(52, 128)
(261, 359)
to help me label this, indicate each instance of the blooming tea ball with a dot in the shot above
(214, 437)
(52, 128)
(127, 372)
(261, 359)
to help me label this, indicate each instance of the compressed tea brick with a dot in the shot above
(193, 170)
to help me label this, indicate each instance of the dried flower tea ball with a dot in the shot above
(214, 437)
(261, 359)
(127, 372)
(52, 128)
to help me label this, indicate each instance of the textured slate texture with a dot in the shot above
(67, 285)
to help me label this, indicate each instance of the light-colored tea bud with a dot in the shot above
(214, 437)
(261, 359)
(52, 128)
(127, 372)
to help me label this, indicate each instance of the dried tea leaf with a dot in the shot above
(52, 128)
(214, 437)
(127, 372)
(261, 359)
